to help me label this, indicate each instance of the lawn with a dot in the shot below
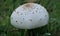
(51, 29)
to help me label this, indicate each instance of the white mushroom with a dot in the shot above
(29, 16)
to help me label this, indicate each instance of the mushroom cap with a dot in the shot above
(29, 16)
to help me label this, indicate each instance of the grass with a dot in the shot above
(52, 29)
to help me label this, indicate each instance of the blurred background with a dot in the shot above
(52, 29)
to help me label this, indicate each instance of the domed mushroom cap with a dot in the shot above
(29, 16)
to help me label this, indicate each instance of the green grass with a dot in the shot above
(53, 27)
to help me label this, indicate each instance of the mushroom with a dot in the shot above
(29, 16)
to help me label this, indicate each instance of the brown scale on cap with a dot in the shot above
(21, 13)
(32, 12)
(45, 15)
(28, 5)
(17, 12)
(40, 19)
(21, 22)
(30, 1)
(16, 21)
(30, 20)
(23, 18)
